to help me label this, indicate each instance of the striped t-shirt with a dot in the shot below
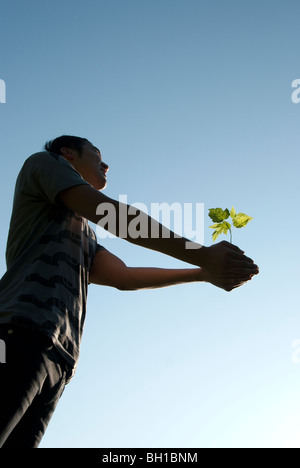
(50, 250)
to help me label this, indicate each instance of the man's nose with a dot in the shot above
(105, 166)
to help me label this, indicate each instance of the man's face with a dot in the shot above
(89, 164)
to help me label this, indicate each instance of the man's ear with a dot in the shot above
(67, 153)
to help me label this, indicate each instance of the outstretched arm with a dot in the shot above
(222, 259)
(109, 270)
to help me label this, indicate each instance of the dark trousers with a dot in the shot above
(32, 380)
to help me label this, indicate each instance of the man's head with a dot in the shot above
(84, 157)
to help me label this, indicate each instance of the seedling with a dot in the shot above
(218, 216)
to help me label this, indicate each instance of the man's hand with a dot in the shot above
(226, 283)
(225, 260)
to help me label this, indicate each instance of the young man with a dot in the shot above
(52, 255)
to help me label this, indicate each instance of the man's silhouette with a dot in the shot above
(52, 255)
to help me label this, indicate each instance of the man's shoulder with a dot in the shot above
(42, 156)
(43, 159)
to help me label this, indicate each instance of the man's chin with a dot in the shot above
(101, 185)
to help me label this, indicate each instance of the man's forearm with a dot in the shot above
(140, 229)
(121, 220)
(151, 278)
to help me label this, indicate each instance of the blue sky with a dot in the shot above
(190, 102)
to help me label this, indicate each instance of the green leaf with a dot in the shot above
(226, 227)
(221, 228)
(232, 213)
(218, 215)
(215, 235)
(241, 220)
(216, 226)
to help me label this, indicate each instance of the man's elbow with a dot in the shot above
(126, 286)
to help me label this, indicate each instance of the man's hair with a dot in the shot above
(74, 142)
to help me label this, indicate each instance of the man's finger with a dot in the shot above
(234, 283)
(242, 271)
(238, 272)
(239, 264)
(232, 247)
(241, 257)
(242, 264)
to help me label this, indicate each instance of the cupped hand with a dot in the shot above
(226, 283)
(225, 260)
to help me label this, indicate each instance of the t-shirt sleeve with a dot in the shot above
(93, 236)
(46, 174)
